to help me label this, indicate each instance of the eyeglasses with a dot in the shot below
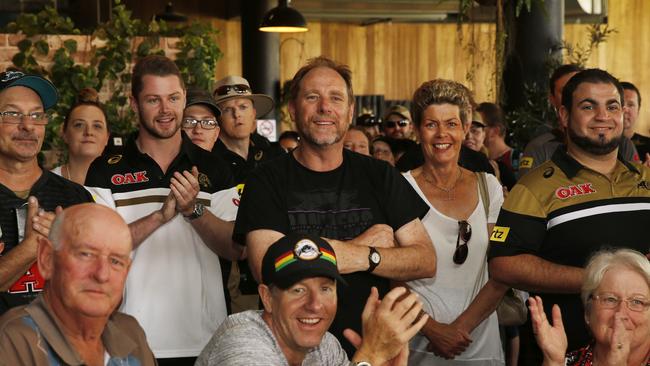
(37, 118)
(402, 123)
(611, 301)
(206, 124)
(233, 89)
(464, 234)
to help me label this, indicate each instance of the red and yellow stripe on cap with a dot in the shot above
(328, 255)
(284, 260)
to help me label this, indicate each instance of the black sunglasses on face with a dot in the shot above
(232, 89)
(464, 234)
(403, 123)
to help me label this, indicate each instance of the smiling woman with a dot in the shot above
(616, 296)
(85, 132)
(464, 207)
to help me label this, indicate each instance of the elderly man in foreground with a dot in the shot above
(73, 322)
(300, 277)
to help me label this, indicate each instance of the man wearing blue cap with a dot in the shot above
(300, 277)
(25, 188)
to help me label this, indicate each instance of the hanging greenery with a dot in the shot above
(115, 45)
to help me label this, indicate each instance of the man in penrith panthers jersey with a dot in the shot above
(174, 288)
(582, 200)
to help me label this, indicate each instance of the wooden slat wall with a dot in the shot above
(395, 58)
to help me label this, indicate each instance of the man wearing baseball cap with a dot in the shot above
(300, 277)
(200, 118)
(243, 149)
(26, 190)
(398, 123)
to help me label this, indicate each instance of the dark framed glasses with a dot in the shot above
(232, 89)
(464, 234)
(392, 124)
(206, 124)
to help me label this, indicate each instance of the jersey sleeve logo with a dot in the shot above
(574, 190)
(129, 178)
(204, 181)
(114, 159)
(499, 233)
(526, 162)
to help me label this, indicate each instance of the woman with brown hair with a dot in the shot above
(85, 132)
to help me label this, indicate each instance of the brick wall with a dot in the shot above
(9, 42)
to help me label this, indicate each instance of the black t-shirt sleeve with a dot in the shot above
(402, 203)
(261, 204)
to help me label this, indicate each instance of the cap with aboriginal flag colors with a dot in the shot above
(298, 256)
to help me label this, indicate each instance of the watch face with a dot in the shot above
(362, 363)
(198, 209)
(375, 258)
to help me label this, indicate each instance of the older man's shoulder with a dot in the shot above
(12, 320)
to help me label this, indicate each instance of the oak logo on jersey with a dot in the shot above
(574, 190)
(526, 162)
(499, 233)
(129, 178)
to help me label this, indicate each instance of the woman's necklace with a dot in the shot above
(449, 191)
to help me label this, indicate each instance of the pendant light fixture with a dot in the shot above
(283, 19)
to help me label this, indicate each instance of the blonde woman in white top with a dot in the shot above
(461, 299)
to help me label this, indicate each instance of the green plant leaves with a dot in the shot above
(109, 59)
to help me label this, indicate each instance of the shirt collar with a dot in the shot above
(571, 166)
(188, 148)
(116, 342)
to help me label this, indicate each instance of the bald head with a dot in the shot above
(73, 218)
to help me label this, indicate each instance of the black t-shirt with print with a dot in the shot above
(51, 191)
(284, 196)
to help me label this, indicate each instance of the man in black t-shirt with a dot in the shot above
(24, 186)
(363, 207)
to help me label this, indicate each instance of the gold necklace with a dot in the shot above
(450, 190)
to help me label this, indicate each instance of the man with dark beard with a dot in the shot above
(363, 207)
(174, 288)
(580, 201)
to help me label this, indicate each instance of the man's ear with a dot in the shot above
(564, 117)
(266, 297)
(134, 104)
(45, 257)
(291, 107)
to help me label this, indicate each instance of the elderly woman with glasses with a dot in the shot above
(616, 296)
(461, 299)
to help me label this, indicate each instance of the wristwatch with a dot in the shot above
(374, 258)
(196, 213)
(361, 363)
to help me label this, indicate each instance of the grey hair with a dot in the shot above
(604, 260)
(56, 231)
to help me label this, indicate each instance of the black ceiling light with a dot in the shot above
(283, 19)
(170, 16)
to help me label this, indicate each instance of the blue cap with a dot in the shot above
(43, 87)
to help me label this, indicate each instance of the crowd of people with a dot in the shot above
(350, 241)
